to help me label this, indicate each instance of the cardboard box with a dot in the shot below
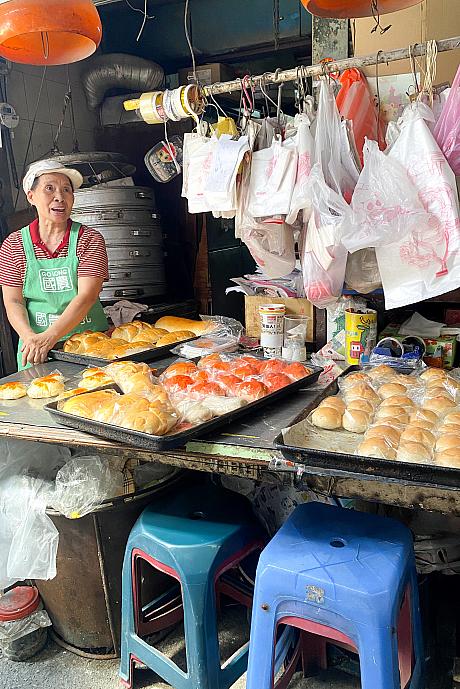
(207, 74)
(294, 307)
(429, 20)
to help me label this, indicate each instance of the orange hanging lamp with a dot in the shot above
(48, 32)
(350, 9)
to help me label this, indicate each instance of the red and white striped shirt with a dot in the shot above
(91, 252)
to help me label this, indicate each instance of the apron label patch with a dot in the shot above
(44, 320)
(56, 280)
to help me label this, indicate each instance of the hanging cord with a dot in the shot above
(276, 23)
(32, 126)
(76, 147)
(413, 66)
(170, 148)
(430, 71)
(377, 86)
(189, 41)
(376, 15)
(146, 16)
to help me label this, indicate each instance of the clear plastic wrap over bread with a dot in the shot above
(223, 335)
(138, 330)
(131, 376)
(87, 404)
(48, 386)
(138, 413)
(174, 324)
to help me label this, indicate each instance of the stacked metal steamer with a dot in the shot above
(126, 217)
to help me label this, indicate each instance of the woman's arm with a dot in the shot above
(35, 346)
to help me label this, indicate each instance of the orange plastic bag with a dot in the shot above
(355, 103)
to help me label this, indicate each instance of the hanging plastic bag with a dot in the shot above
(273, 173)
(220, 186)
(447, 129)
(355, 103)
(301, 196)
(385, 205)
(197, 160)
(362, 272)
(323, 256)
(425, 263)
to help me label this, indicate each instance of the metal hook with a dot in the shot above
(216, 104)
(265, 94)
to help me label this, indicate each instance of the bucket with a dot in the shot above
(272, 328)
(360, 334)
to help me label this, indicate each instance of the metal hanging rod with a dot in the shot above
(281, 76)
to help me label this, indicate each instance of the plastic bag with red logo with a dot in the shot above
(323, 256)
(447, 129)
(355, 103)
(425, 262)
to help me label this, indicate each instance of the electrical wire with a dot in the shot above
(146, 16)
(189, 42)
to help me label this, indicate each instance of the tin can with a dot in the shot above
(271, 328)
(360, 334)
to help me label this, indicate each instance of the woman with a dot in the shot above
(52, 271)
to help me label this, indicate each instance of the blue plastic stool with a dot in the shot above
(194, 537)
(342, 575)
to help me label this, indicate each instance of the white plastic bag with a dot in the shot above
(83, 484)
(362, 272)
(301, 195)
(220, 185)
(273, 173)
(197, 160)
(385, 205)
(323, 256)
(427, 262)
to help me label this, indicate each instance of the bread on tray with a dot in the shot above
(174, 324)
(48, 386)
(12, 391)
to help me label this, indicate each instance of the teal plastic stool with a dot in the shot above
(193, 537)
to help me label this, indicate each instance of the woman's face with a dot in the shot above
(52, 197)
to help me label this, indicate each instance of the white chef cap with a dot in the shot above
(42, 167)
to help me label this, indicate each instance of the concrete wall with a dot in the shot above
(23, 86)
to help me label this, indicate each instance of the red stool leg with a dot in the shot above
(313, 652)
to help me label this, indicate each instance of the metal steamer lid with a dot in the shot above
(19, 603)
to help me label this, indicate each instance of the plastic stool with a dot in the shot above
(345, 576)
(194, 537)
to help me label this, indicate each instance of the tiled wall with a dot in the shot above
(23, 87)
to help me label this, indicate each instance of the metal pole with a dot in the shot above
(280, 77)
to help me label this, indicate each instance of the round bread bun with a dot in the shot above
(355, 378)
(424, 415)
(395, 413)
(381, 371)
(361, 392)
(418, 435)
(12, 391)
(438, 391)
(391, 389)
(361, 405)
(424, 425)
(355, 421)
(449, 458)
(376, 447)
(452, 418)
(325, 417)
(439, 405)
(334, 403)
(413, 452)
(406, 380)
(433, 373)
(398, 401)
(381, 432)
(445, 442)
(449, 428)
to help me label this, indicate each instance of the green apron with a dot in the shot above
(49, 287)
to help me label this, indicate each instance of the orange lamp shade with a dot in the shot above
(344, 9)
(48, 32)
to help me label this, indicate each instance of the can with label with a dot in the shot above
(360, 334)
(271, 328)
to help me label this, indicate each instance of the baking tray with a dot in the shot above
(147, 441)
(148, 355)
(357, 466)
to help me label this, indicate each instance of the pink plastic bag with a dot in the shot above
(447, 129)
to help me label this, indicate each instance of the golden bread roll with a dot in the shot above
(392, 389)
(439, 405)
(453, 428)
(355, 378)
(378, 448)
(334, 403)
(433, 374)
(48, 386)
(424, 415)
(413, 452)
(176, 336)
(12, 391)
(88, 404)
(90, 371)
(453, 417)
(381, 371)
(137, 346)
(449, 458)
(173, 324)
(355, 421)
(425, 425)
(72, 393)
(362, 391)
(382, 432)
(151, 336)
(445, 442)
(136, 413)
(398, 401)
(361, 405)
(121, 371)
(438, 392)
(325, 417)
(394, 413)
(126, 331)
(95, 381)
(418, 435)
